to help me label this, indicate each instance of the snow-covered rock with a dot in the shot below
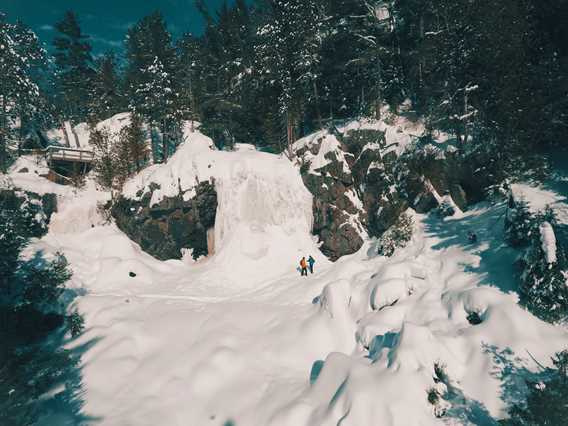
(263, 210)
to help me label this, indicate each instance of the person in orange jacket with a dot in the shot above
(304, 266)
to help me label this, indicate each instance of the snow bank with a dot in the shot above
(34, 178)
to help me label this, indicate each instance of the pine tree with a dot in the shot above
(188, 71)
(153, 92)
(105, 96)
(105, 158)
(20, 96)
(75, 68)
(134, 137)
(544, 271)
(155, 100)
(288, 56)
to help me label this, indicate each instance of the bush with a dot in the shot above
(446, 209)
(519, 223)
(31, 316)
(397, 236)
(546, 402)
(543, 287)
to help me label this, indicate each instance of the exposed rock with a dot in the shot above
(24, 170)
(166, 228)
(361, 184)
(338, 212)
(354, 191)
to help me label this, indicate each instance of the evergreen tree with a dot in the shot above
(546, 402)
(544, 266)
(105, 97)
(105, 158)
(75, 68)
(155, 100)
(288, 57)
(20, 97)
(188, 72)
(133, 137)
(153, 92)
(33, 359)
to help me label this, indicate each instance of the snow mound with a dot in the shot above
(29, 174)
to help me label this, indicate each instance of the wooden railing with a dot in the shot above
(59, 153)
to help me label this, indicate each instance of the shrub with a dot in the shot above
(33, 360)
(446, 209)
(474, 318)
(546, 401)
(543, 278)
(397, 236)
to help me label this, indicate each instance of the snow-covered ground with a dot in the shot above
(241, 336)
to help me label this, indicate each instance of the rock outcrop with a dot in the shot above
(165, 229)
(363, 177)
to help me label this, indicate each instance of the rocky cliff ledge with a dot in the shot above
(166, 228)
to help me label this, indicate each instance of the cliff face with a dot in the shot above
(363, 177)
(173, 224)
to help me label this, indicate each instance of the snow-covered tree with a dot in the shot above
(75, 68)
(288, 56)
(105, 96)
(155, 100)
(544, 271)
(519, 223)
(20, 97)
(150, 79)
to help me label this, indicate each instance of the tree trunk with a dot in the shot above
(3, 138)
(65, 135)
(316, 96)
(164, 143)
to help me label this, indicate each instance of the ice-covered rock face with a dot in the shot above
(261, 197)
(263, 217)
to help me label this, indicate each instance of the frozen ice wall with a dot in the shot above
(264, 216)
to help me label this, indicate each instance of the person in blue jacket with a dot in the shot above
(311, 262)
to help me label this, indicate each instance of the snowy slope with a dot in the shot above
(176, 345)
(241, 336)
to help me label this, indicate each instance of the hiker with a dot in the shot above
(472, 237)
(304, 266)
(311, 262)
